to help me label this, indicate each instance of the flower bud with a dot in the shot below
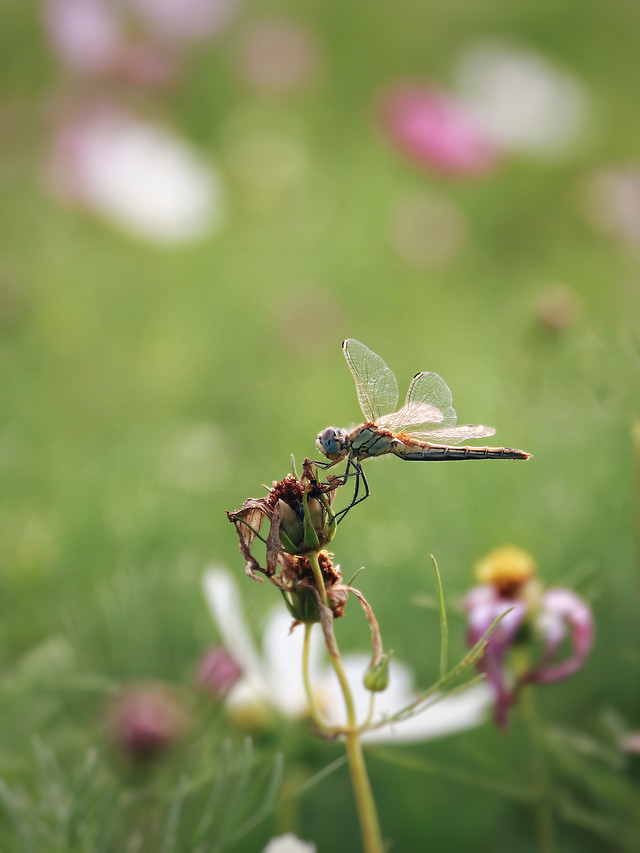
(145, 719)
(291, 528)
(218, 672)
(306, 526)
(302, 605)
(376, 678)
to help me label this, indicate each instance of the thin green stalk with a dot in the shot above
(444, 628)
(313, 708)
(541, 783)
(312, 556)
(367, 813)
(365, 803)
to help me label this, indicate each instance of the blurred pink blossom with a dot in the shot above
(218, 671)
(546, 619)
(145, 719)
(436, 131)
(184, 20)
(137, 40)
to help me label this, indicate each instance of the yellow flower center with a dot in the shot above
(506, 568)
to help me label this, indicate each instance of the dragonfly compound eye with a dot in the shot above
(331, 443)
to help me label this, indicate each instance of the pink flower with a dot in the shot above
(218, 671)
(547, 619)
(145, 719)
(436, 131)
(184, 20)
(137, 40)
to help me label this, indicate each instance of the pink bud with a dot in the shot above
(218, 672)
(145, 719)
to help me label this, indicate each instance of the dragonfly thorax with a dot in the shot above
(332, 443)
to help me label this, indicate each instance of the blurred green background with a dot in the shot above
(147, 388)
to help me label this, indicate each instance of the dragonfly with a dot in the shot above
(425, 428)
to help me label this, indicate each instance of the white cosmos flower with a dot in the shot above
(523, 102)
(137, 174)
(289, 843)
(274, 678)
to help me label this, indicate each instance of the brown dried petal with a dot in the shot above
(273, 541)
(338, 596)
(248, 521)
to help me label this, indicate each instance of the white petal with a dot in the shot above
(140, 176)
(522, 100)
(283, 659)
(449, 715)
(221, 594)
(289, 843)
(399, 692)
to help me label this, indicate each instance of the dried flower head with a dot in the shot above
(300, 520)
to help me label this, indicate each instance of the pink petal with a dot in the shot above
(434, 130)
(576, 613)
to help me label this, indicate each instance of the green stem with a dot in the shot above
(313, 708)
(367, 813)
(312, 556)
(332, 647)
(365, 803)
(541, 784)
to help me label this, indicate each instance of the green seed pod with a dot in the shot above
(302, 605)
(376, 678)
(291, 528)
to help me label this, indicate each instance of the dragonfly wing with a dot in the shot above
(375, 383)
(429, 403)
(454, 434)
(415, 414)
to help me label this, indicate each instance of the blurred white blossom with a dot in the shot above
(136, 174)
(523, 102)
(273, 679)
(289, 843)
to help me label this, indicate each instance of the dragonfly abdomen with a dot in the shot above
(442, 452)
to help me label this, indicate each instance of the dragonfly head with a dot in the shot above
(332, 443)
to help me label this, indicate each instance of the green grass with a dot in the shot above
(147, 390)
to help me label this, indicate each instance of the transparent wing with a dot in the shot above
(375, 383)
(429, 403)
(454, 434)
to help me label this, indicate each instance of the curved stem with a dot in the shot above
(316, 716)
(365, 803)
(326, 620)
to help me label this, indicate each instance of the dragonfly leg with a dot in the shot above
(357, 498)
